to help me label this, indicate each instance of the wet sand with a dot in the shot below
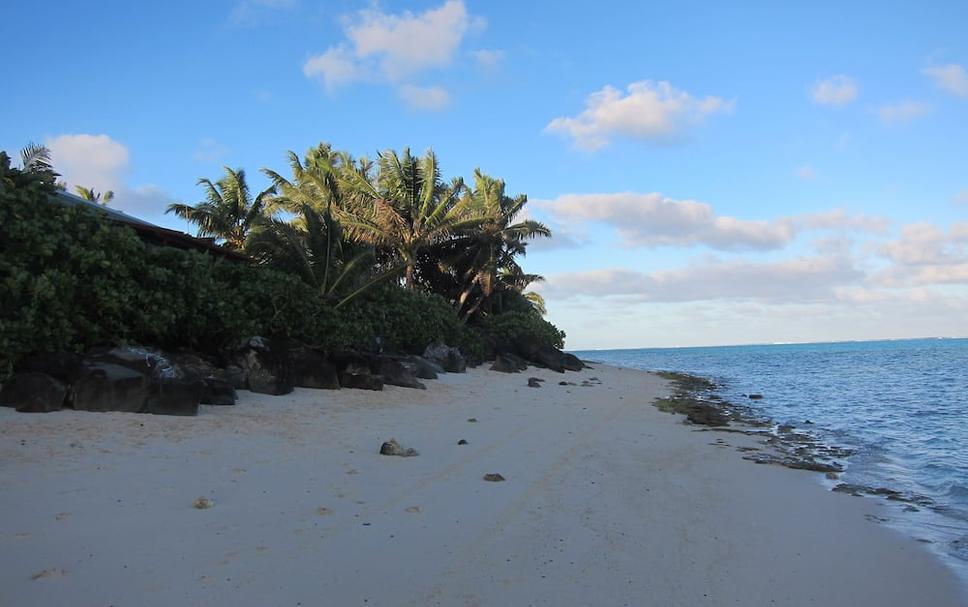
(607, 501)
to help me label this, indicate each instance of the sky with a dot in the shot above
(715, 173)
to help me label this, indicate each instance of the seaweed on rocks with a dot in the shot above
(782, 445)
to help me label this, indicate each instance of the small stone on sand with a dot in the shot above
(47, 573)
(203, 503)
(493, 477)
(392, 447)
(472, 420)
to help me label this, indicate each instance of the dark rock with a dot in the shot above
(534, 382)
(360, 381)
(169, 396)
(508, 363)
(195, 366)
(472, 420)
(33, 392)
(395, 374)
(312, 370)
(217, 392)
(267, 365)
(462, 442)
(392, 447)
(62, 366)
(109, 387)
(447, 357)
(785, 428)
(493, 477)
(755, 396)
(422, 368)
(235, 376)
(571, 362)
(148, 361)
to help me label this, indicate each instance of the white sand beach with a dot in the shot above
(607, 501)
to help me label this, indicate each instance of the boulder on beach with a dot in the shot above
(108, 387)
(448, 357)
(359, 378)
(151, 362)
(312, 370)
(395, 373)
(422, 368)
(173, 396)
(534, 382)
(217, 392)
(33, 392)
(505, 362)
(266, 366)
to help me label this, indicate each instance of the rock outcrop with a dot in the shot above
(33, 392)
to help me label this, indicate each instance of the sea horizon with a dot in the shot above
(774, 343)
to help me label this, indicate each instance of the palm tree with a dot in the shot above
(313, 248)
(36, 159)
(228, 212)
(485, 257)
(91, 195)
(407, 210)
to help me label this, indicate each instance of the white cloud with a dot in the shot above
(653, 220)
(950, 78)
(838, 220)
(838, 90)
(790, 281)
(210, 151)
(393, 48)
(249, 12)
(649, 111)
(805, 172)
(424, 98)
(408, 43)
(100, 162)
(336, 67)
(489, 59)
(903, 111)
(89, 160)
(924, 254)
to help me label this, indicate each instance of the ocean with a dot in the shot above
(901, 405)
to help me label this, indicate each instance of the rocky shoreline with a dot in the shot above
(780, 444)
(147, 379)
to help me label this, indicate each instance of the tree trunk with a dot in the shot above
(408, 276)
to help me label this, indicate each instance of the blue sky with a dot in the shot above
(715, 174)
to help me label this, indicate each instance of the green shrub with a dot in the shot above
(504, 330)
(71, 280)
(406, 320)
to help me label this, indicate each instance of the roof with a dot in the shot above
(150, 232)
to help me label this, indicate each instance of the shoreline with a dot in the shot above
(607, 500)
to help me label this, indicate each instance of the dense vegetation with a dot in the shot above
(345, 253)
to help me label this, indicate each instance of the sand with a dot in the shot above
(607, 501)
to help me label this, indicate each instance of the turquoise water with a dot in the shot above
(901, 405)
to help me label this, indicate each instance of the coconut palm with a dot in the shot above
(91, 195)
(407, 210)
(35, 158)
(485, 257)
(312, 247)
(229, 211)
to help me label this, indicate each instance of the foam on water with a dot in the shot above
(901, 405)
